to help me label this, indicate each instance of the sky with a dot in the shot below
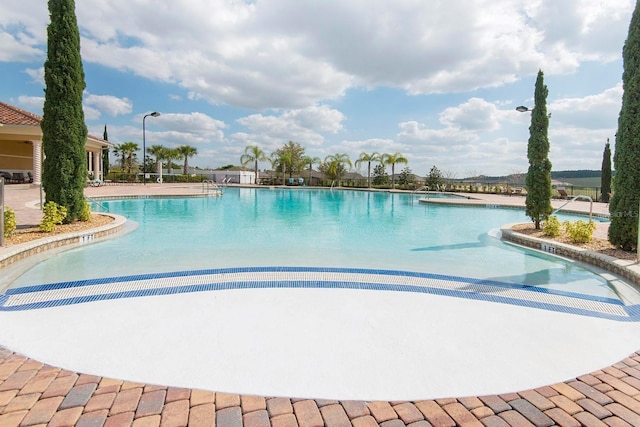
(435, 80)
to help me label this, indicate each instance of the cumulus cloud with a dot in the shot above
(592, 111)
(36, 74)
(293, 53)
(287, 66)
(14, 48)
(305, 126)
(111, 105)
(186, 129)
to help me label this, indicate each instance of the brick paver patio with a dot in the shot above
(35, 394)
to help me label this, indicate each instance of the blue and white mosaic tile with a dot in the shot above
(77, 292)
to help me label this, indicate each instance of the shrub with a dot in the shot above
(580, 231)
(551, 227)
(85, 214)
(53, 214)
(9, 221)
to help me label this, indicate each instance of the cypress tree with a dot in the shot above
(64, 131)
(623, 230)
(538, 180)
(605, 177)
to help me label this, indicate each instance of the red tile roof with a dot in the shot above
(10, 115)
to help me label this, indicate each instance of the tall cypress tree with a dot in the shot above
(105, 155)
(64, 131)
(538, 181)
(623, 230)
(605, 177)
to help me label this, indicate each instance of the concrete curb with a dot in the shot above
(13, 254)
(630, 270)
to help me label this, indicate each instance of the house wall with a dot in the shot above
(16, 156)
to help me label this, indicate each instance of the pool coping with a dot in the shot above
(626, 269)
(12, 254)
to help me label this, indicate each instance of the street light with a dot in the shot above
(523, 109)
(144, 147)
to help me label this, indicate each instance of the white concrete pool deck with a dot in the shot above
(318, 343)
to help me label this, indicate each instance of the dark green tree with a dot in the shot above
(434, 179)
(538, 180)
(105, 155)
(64, 131)
(380, 175)
(605, 178)
(623, 230)
(406, 176)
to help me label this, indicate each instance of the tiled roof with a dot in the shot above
(10, 115)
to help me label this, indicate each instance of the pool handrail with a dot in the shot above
(414, 192)
(90, 200)
(580, 196)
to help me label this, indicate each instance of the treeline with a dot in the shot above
(555, 175)
(576, 174)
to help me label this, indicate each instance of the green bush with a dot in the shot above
(580, 231)
(85, 214)
(53, 214)
(9, 221)
(552, 227)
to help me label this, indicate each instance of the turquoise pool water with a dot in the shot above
(249, 227)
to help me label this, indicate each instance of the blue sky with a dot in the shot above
(435, 81)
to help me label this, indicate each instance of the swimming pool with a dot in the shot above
(251, 227)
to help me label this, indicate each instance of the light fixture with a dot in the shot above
(523, 109)
(144, 147)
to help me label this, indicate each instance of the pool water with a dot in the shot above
(249, 227)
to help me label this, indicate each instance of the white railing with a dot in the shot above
(573, 200)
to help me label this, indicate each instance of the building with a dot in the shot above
(21, 145)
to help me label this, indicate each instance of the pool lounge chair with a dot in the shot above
(563, 193)
(19, 178)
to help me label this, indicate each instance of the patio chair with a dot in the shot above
(18, 177)
(563, 193)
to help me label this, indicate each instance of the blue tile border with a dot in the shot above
(219, 281)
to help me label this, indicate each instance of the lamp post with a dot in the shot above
(144, 147)
(523, 109)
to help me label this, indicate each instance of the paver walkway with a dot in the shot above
(35, 394)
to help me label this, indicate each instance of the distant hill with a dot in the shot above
(579, 178)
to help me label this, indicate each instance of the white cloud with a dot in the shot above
(475, 114)
(592, 111)
(36, 74)
(15, 49)
(305, 126)
(111, 105)
(186, 129)
(32, 103)
(296, 53)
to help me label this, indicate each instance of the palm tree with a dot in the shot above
(127, 152)
(392, 159)
(171, 155)
(159, 152)
(117, 151)
(310, 161)
(368, 158)
(186, 151)
(253, 153)
(335, 166)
